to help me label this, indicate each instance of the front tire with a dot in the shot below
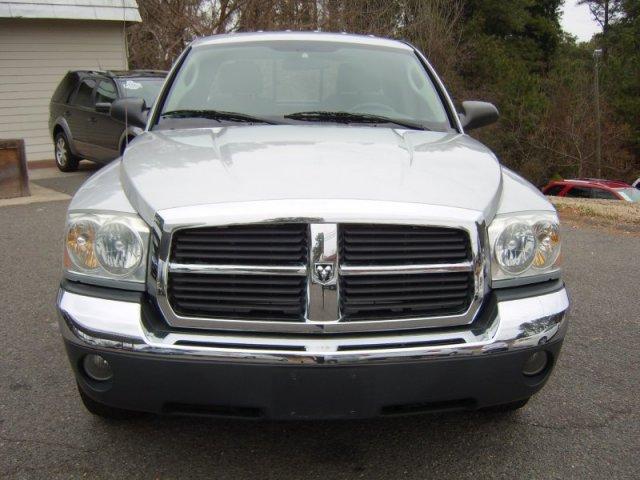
(104, 411)
(65, 160)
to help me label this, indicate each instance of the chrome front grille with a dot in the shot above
(319, 277)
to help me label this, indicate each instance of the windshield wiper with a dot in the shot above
(216, 115)
(348, 117)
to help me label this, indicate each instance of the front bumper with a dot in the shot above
(322, 376)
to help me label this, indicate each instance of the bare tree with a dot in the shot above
(604, 11)
(168, 26)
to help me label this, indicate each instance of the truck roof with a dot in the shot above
(301, 36)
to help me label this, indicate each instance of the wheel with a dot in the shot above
(65, 160)
(509, 407)
(105, 411)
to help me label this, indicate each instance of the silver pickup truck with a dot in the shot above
(304, 230)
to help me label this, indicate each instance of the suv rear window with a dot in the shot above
(64, 89)
(84, 95)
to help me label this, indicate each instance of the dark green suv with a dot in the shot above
(79, 113)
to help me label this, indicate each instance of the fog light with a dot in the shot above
(535, 364)
(97, 368)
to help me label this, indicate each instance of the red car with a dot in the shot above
(593, 188)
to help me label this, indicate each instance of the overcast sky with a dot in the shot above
(577, 20)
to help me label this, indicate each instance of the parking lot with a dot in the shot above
(585, 423)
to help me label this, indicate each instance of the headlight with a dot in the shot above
(119, 248)
(102, 248)
(515, 248)
(524, 246)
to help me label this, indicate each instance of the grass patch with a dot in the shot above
(608, 212)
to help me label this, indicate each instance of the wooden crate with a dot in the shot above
(14, 178)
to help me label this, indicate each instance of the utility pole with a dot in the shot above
(597, 54)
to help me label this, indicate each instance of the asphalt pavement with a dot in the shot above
(584, 424)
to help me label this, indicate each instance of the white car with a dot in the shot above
(304, 230)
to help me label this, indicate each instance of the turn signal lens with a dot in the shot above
(548, 244)
(81, 238)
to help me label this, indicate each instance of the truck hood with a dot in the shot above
(177, 168)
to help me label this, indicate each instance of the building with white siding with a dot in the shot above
(40, 40)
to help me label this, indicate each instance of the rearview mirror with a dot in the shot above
(103, 107)
(477, 114)
(132, 111)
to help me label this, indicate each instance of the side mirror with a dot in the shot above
(103, 107)
(132, 111)
(477, 114)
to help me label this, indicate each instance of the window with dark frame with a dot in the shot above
(106, 91)
(579, 192)
(555, 190)
(84, 95)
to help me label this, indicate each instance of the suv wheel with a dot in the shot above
(65, 160)
(105, 411)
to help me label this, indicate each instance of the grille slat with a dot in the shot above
(257, 280)
(409, 248)
(249, 299)
(403, 308)
(223, 247)
(406, 288)
(208, 240)
(362, 245)
(381, 240)
(406, 258)
(393, 299)
(218, 289)
(226, 258)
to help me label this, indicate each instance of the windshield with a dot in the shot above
(147, 88)
(629, 194)
(273, 80)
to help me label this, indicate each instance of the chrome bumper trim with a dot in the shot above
(111, 324)
(408, 269)
(237, 269)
